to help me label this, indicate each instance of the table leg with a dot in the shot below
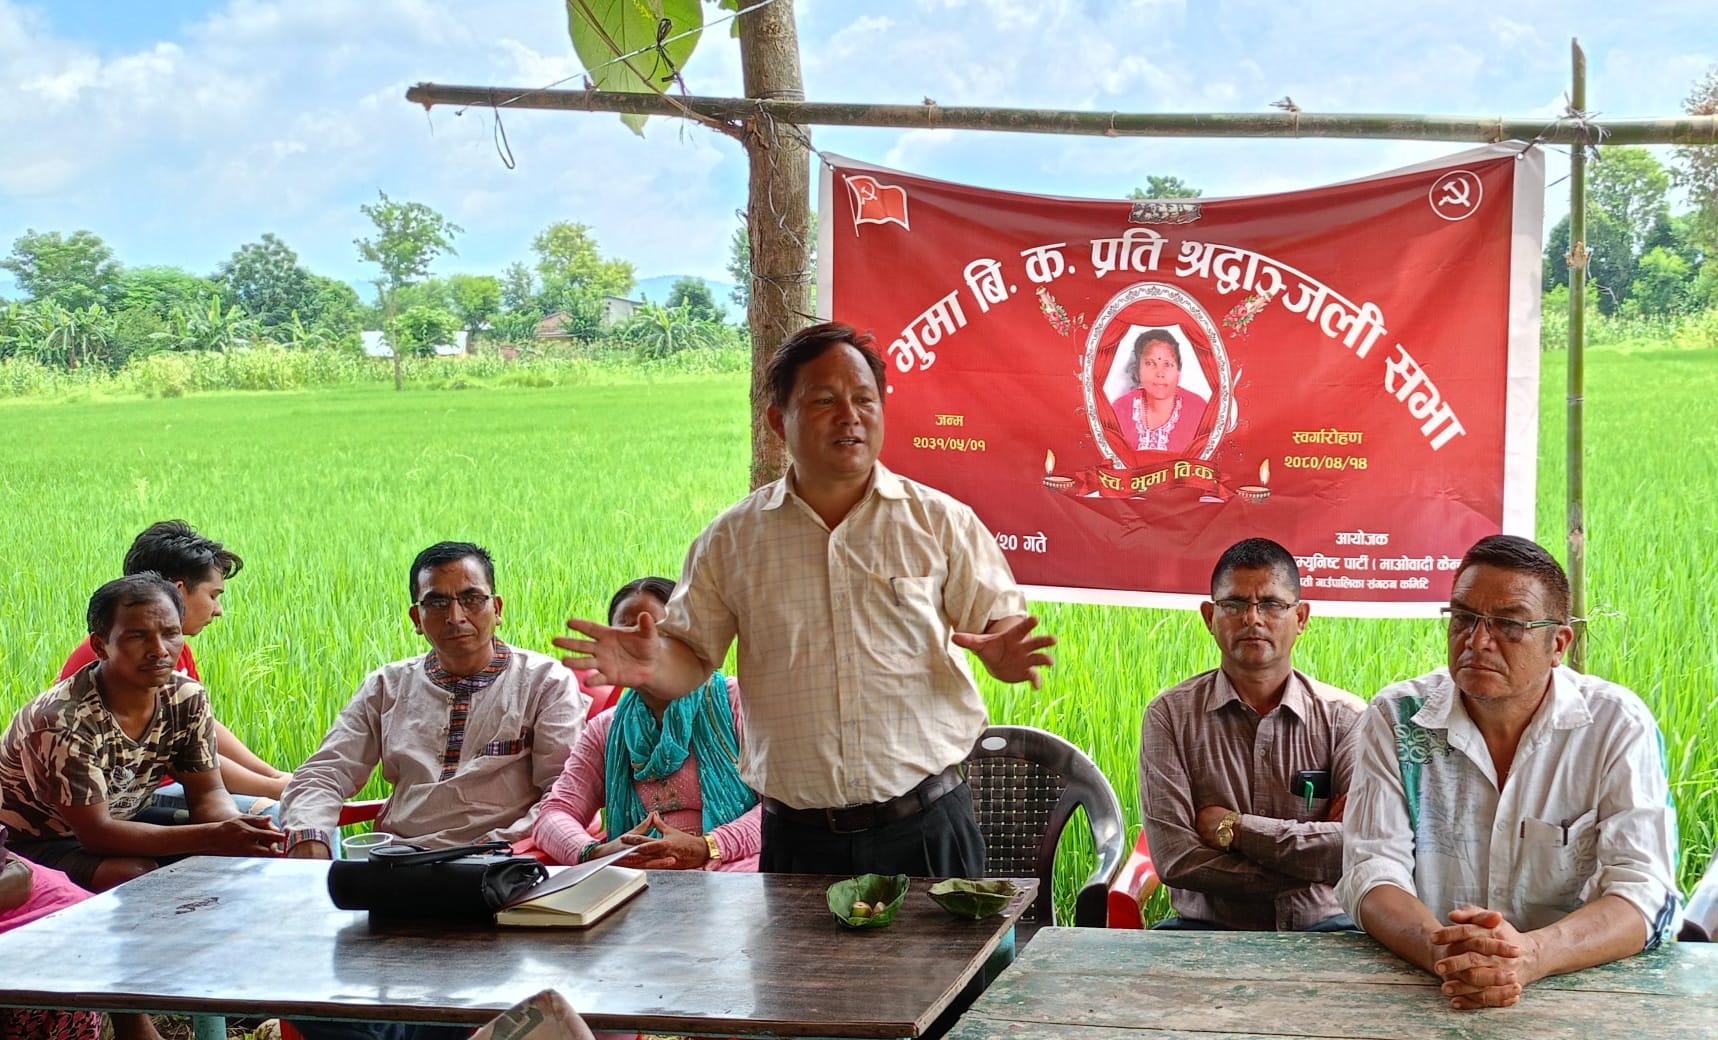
(208, 1027)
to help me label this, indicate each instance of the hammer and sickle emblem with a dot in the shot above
(1456, 192)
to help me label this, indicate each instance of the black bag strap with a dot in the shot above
(411, 855)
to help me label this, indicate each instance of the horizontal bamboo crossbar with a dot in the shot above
(1683, 130)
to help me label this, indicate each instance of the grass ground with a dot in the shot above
(329, 493)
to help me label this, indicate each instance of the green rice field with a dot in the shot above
(329, 493)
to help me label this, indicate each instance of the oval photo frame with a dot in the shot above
(1213, 363)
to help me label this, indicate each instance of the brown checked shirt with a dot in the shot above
(1202, 745)
(65, 748)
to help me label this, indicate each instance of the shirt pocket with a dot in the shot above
(1557, 858)
(901, 613)
(504, 748)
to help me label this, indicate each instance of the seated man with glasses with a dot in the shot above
(1510, 818)
(471, 735)
(1243, 770)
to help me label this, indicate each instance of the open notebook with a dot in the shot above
(574, 897)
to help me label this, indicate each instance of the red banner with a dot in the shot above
(1124, 389)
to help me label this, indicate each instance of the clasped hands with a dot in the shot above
(1482, 960)
(675, 850)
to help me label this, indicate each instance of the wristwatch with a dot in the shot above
(1226, 830)
(715, 849)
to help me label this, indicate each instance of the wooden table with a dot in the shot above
(1093, 984)
(696, 952)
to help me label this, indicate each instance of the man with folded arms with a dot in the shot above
(471, 735)
(1220, 755)
(1510, 818)
(851, 591)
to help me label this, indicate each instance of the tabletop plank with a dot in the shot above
(1094, 985)
(738, 954)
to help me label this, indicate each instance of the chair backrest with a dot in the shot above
(1026, 784)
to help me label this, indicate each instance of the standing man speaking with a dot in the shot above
(852, 591)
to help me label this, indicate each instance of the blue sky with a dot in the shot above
(179, 130)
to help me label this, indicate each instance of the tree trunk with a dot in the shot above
(777, 211)
(389, 337)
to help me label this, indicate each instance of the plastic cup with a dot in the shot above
(359, 846)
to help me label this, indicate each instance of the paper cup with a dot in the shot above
(359, 846)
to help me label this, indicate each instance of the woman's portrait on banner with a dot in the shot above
(1156, 376)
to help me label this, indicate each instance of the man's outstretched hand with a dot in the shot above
(1009, 650)
(623, 655)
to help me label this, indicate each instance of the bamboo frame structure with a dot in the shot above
(931, 116)
(1575, 494)
(735, 114)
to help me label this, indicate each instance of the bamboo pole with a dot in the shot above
(1574, 464)
(738, 111)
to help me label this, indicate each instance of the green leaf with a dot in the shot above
(603, 30)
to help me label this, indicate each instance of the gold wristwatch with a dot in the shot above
(1226, 830)
(715, 849)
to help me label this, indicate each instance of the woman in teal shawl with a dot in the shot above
(665, 773)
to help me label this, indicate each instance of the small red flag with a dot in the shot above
(875, 203)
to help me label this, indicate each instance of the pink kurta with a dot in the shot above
(579, 792)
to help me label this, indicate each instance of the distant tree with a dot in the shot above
(475, 298)
(419, 330)
(695, 296)
(1610, 262)
(518, 288)
(1697, 165)
(567, 260)
(332, 307)
(1165, 188)
(159, 290)
(409, 237)
(1630, 185)
(264, 280)
(740, 265)
(73, 272)
(1661, 284)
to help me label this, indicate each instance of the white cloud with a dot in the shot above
(285, 115)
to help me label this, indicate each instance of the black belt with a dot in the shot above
(849, 819)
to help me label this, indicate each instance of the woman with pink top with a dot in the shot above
(664, 772)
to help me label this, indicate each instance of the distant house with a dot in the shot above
(614, 309)
(375, 346)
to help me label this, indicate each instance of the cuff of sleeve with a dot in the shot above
(299, 835)
(1363, 878)
(1252, 832)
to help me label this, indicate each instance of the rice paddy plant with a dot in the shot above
(587, 475)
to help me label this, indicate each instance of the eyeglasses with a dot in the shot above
(470, 602)
(1269, 609)
(1508, 630)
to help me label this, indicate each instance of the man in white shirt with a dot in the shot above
(471, 735)
(1521, 801)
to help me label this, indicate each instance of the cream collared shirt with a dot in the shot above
(1586, 810)
(854, 692)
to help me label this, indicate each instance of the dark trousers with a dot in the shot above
(941, 842)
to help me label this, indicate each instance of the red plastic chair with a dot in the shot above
(1133, 885)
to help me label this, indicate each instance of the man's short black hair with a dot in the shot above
(451, 552)
(808, 344)
(110, 599)
(661, 588)
(172, 549)
(1515, 553)
(1256, 552)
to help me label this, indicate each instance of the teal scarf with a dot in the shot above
(641, 748)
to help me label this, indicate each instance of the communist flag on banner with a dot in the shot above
(1122, 390)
